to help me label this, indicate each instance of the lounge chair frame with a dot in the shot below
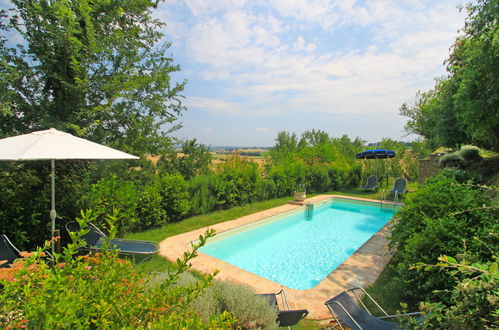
(399, 186)
(11, 252)
(14, 252)
(286, 316)
(371, 184)
(356, 324)
(95, 235)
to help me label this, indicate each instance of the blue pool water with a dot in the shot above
(300, 249)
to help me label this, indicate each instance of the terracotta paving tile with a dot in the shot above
(360, 269)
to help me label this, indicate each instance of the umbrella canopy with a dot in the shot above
(375, 154)
(53, 144)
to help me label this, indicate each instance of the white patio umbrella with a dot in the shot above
(51, 145)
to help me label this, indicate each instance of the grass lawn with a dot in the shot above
(159, 263)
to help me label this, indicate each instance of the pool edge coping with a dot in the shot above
(362, 268)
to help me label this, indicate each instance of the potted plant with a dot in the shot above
(300, 193)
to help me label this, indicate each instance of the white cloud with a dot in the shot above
(203, 7)
(214, 106)
(245, 47)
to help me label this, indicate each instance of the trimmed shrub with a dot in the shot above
(265, 190)
(152, 203)
(203, 194)
(236, 182)
(470, 153)
(175, 197)
(250, 310)
(111, 193)
(453, 159)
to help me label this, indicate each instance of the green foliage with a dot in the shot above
(112, 193)
(194, 159)
(286, 144)
(474, 300)
(319, 162)
(25, 198)
(288, 175)
(265, 190)
(96, 68)
(114, 294)
(174, 191)
(462, 108)
(236, 182)
(202, 189)
(251, 311)
(160, 199)
(436, 220)
(470, 153)
(454, 159)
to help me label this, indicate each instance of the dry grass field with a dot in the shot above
(221, 156)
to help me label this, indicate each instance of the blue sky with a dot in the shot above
(255, 68)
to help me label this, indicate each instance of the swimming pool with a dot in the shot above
(301, 248)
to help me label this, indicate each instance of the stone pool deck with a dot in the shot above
(359, 270)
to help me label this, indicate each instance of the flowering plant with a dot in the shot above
(101, 291)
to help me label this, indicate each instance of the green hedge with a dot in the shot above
(445, 216)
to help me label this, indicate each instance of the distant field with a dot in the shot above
(253, 154)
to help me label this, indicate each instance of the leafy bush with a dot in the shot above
(150, 209)
(160, 199)
(112, 193)
(236, 182)
(113, 293)
(203, 194)
(250, 310)
(265, 190)
(175, 197)
(194, 159)
(25, 198)
(435, 220)
(474, 299)
(344, 177)
(318, 179)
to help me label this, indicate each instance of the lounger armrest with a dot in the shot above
(401, 315)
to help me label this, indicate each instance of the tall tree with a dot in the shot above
(463, 107)
(96, 68)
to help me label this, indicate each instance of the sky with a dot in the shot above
(258, 67)
(255, 68)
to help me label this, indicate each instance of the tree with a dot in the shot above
(462, 108)
(95, 68)
(286, 144)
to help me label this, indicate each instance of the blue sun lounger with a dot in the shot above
(96, 239)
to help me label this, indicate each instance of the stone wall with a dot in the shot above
(428, 167)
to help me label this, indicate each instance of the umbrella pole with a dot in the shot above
(52, 210)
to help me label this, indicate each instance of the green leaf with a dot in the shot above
(493, 268)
